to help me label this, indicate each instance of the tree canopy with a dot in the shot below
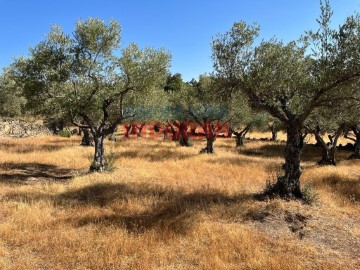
(94, 82)
(290, 80)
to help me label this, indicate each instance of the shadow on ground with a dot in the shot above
(172, 211)
(346, 187)
(310, 153)
(24, 173)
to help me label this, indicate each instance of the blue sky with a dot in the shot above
(183, 27)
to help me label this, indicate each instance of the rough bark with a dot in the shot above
(273, 132)
(328, 155)
(230, 132)
(210, 133)
(240, 135)
(209, 149)
(87, 139)
(356, 153)
(183, 136)
(328, 149)
(240, 140)
(288, 185)
(356, 139)
(274, 136)
(98, 164)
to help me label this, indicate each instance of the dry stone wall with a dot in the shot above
(22, 128)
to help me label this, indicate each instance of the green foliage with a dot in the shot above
(86, 78)
(65, 133)
(81, 75)
(173, 83)
(12, 102)
(291, 80)
(196, 100)
(284, 78)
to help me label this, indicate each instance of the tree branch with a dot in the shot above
(321, 91)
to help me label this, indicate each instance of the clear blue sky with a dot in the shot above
(184, 27)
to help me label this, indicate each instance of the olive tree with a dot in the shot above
(326, 122)
(174, 113)
(198, 101)
(352, 132)
(92, 80)
(274, 125)
(12, 102)
(351, 118)
(243, 118)
(290, 80)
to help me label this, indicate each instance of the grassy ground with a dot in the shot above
(168, 207)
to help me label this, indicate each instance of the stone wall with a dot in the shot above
(22, 128)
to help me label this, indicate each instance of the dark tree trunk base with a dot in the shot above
(288, 186)
(98, 164)
(184, 142)
(284, 188)
(274, 136)
(356, 153)
(97, 168)
(209, 149)
(240, 141)
(355, 156)
(87, 139)
(327, 162)
(328, 156)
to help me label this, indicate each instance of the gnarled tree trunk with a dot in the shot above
(328, 154)
(98, 164)
(210, 132)
(240, 135)
(87, 139)
(356, 139)
(328, 149)
(356, 154)
(240, 140)
(288, 185)
(209, 149)
(183, 136)
(229, 134)
(273, 132)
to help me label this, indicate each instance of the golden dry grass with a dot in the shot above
(168, 207)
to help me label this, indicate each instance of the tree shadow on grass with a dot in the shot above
(345, 187)
(311, 153)
(24, 173)
(172, 210)
(268, 165)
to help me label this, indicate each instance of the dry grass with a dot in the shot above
(168, 207)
